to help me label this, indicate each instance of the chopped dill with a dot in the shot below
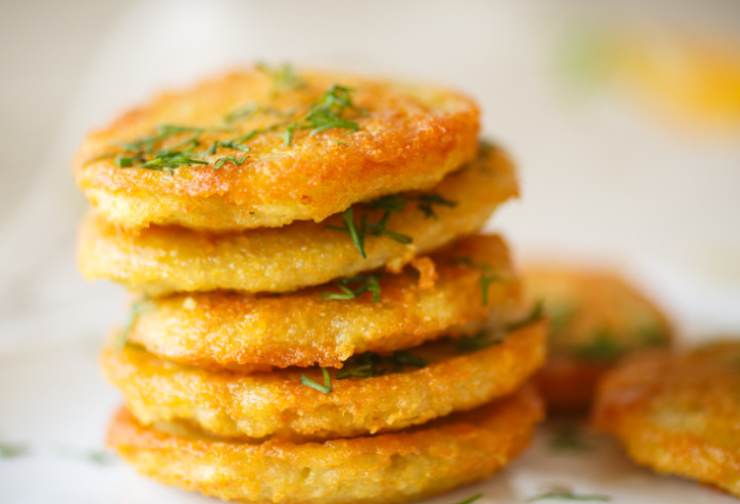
(325, 388)
(563, 493)
(427, 201)
(369, 364)
(352, 287)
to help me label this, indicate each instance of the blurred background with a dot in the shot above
(624, 118)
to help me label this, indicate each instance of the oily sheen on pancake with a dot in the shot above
(387, 468)
(456, 375)
(597, 317)
(162, 260)
(266, 147)
(678, 413)
(312, 327)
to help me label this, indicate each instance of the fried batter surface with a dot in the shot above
(387, 468)
(161, 260)
(455, 377)
(310, 327)
(678, 414)
(282, 165)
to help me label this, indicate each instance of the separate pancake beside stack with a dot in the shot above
(315, 318)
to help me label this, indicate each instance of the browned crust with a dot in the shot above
(161, 260)
(409, 138)
(389, 468)
(277, 403)
(678, 414)
(303, 328)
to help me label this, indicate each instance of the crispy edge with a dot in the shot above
(394, 467)
(162, 260)
(220, 329)
(277, 403)
(405, 144)
(622, 408)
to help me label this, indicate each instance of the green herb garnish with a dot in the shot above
(326, 114)
(567, 494)
(477, 341)
(325, 388)
(284, 77)
(352, 287)
(358, 232)
(601, 347)
(427, 201)
(536, 313)
(488, 276)
(13, 450)
(236, 161)
(471, 499)
(370, 364)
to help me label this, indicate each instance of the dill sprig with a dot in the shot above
(234, 160)
(352, 287)
(325, 114)
(284, 77)
(536, 313)
(563, 493)
(487, 277)
(602, 346)
(368, 364)
(358, 232)
(478, 341)
(471, 499)
(326, 388)
(426, 202)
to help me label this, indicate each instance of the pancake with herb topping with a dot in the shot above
(596, 318)
(453, 291)
(390, 231)
(678, 413)
(268, 146)
(426, 382)
(388, 468)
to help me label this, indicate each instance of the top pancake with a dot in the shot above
(265, 147)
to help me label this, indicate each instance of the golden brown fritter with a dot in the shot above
(161, 260)
(371, 393)
(596, 318)
(678, 414)
(298, 150)
(388, 468)
(313, 327)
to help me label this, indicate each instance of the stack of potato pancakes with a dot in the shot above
(315, 318)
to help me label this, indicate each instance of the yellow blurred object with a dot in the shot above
(693, 81)
(699, 80)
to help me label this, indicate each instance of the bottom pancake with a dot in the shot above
(678, 414)
(394, 467)
(371, 393)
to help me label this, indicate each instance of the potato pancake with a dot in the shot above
(596, 317)
(472, 284)
(390, 231)
(241, 152)
(388, 468)
(678, 413)
(427, 382)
